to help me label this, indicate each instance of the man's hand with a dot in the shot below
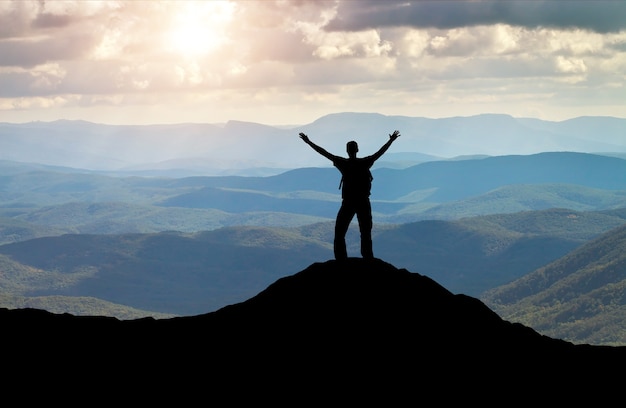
(304, 137)
(393, 136)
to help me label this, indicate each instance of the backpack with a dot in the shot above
(356, 180)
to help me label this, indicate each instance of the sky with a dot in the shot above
(290, 62)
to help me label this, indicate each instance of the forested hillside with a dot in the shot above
(580, 297)
(190, 273)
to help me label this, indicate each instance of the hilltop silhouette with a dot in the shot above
(352, 329)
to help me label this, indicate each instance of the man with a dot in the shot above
(356, 183)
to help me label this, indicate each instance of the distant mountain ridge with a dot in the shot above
(243, 145)
(430, 190)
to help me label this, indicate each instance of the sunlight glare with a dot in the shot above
(198, 27)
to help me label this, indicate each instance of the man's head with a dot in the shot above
(352, 147)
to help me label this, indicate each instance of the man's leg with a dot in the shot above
(344, 217)
(364, 215)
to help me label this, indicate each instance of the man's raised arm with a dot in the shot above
(382, 150)
(317, 148)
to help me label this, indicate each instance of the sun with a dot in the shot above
(199, 27)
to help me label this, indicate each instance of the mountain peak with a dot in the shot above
(353, 323)
(372, 301)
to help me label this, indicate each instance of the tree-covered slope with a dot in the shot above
(167, 272)
(580, 297)
(189, 273)
(474, 254)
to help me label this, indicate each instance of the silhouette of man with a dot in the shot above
(356, 183)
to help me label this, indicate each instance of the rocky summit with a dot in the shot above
(352, 329)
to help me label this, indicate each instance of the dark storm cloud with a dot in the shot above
(599, 16)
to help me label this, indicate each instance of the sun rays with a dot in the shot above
(199, 27)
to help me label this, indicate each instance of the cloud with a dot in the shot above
(601, 16)
(308, 57)
(28, 52)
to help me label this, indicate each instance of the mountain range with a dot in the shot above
(174, 273)
(124, 222)
(247, 148)
(431, 190)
